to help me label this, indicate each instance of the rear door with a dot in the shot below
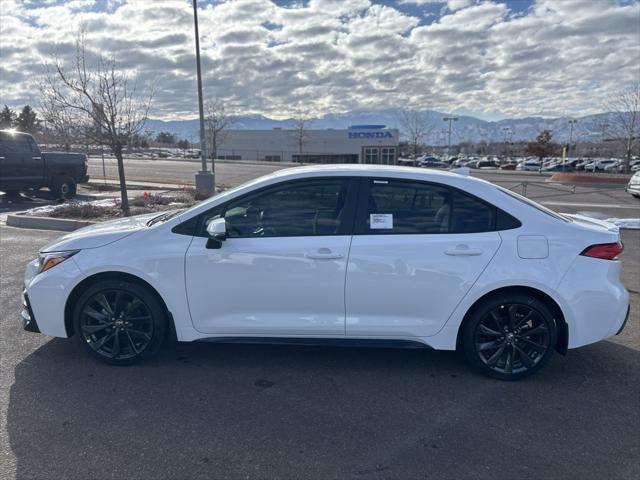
(417, 250)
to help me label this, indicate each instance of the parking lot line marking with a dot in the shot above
(592, 205)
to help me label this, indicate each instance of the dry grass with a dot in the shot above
(85, 211)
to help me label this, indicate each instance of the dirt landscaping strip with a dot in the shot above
(590, 179)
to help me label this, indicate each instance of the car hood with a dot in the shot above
(100, 234)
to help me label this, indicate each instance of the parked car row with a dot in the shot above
(526, 164)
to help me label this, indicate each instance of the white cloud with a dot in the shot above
(330, 56)
(452, 5)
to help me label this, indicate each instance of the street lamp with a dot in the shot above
(205, 180)
(604, 129)
(506, 132)
(572, 122)
(449, 119)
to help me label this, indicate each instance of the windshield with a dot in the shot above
(533, 204)
(223, 194)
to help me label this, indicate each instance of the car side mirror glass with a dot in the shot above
(217, 231)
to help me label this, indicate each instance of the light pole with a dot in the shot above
(604, 130)
(205, 180)
(506, 131)
(604, 126)
(572, 122)
(449, 119)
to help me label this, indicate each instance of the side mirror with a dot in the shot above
(217, 230)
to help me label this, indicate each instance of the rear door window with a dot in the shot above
(391, 206)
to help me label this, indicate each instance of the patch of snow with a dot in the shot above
(42, 210)
(627, 223)
(48, 209)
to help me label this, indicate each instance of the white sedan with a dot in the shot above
(339, 254)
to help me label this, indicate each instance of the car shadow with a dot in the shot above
(226, 411)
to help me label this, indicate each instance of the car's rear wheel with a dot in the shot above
(511, 337)
(63, 187)
(121, 322)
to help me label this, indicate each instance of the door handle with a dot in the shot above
(323, 254)
(36, 158)
(463, 251)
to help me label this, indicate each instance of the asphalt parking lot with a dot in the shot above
(241, 411)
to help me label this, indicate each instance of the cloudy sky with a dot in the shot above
(490, 58)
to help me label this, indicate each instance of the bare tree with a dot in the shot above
(300, 124)
(60, 124)
(96, 97)
(217, 123)
(416, 126)
(625, 120)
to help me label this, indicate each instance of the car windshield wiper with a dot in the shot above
(163, 217)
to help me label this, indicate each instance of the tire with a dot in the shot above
(120, 322)
(509, 337)
(63, 187)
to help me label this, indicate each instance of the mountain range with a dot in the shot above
(465, 129)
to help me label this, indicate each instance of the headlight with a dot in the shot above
(51, 259)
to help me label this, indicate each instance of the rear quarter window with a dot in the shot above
(532, 204)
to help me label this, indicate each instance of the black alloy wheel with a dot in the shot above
(120, 322)
(510, 338)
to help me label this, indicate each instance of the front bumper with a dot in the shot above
(28, 319)
(84, 179)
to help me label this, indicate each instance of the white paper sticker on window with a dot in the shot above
(380, 221)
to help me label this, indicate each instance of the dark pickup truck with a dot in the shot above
(24, 167)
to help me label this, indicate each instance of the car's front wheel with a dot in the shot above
(121, 322)
(511, 337)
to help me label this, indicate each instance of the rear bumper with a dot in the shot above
(83, 179)
(626, 319)
(28, 318)
(596, 304)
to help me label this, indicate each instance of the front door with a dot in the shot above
(281, 270)
(417, 250)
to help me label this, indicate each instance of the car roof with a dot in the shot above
(370, 170)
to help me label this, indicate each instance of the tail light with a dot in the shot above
(605, 251)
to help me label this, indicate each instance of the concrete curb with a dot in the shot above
(20, 220)
(135, 185)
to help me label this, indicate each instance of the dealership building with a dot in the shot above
(357, 144)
